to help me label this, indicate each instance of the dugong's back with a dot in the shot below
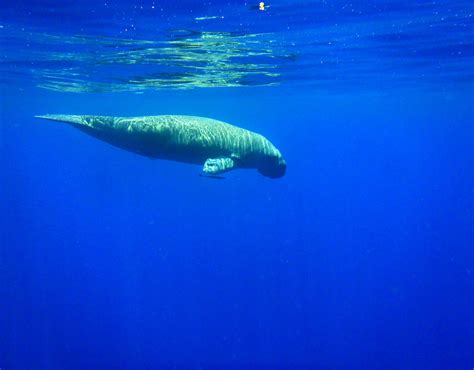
(206, 137)
(182, 138)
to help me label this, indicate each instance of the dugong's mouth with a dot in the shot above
(274, 168)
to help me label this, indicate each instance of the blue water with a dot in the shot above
(361, 257)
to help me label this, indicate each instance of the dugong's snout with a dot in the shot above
(273, 167)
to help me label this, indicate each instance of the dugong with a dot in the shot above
(216, 145)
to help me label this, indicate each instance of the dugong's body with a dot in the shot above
(217, 145)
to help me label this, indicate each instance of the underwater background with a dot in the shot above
(361, 257)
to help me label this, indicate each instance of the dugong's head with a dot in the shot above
(273, 166)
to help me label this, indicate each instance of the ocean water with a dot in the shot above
(360, 257)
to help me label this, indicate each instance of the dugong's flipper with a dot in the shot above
(218, 165)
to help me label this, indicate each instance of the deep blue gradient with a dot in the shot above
(362, 256)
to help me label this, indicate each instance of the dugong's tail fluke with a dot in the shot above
(85, 122)
(62, 118)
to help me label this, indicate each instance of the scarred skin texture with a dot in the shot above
(216, 145)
